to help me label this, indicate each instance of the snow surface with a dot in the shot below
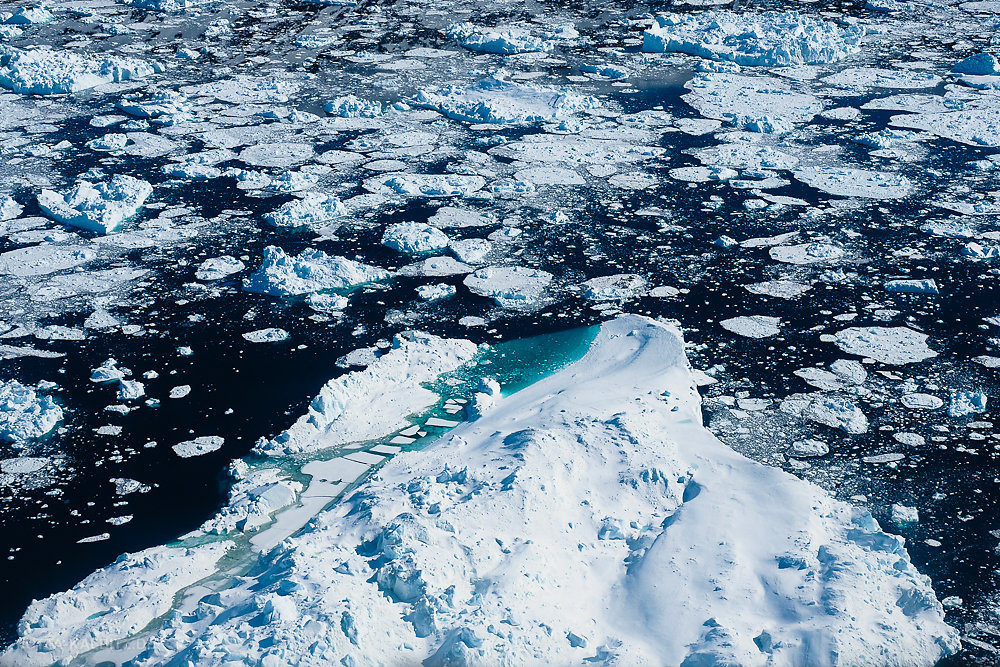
(773, 39)
(589, 517)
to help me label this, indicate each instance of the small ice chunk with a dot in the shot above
(470, 251)
(313, 209)
(108, 372)
(903, 514)
(435, 292)
(503, 40)
(197, 447)
(180, 391)
(921, 401)
(130, 390)
(9, 209)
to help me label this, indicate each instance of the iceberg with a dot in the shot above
(24, 413)
(311, 271)
(890, 345)
(414, 237)
(494, 100)
(509, 286)
(45, 71)
(765, 39)
(574, 519)
(101, 208)
(502, 40)
(313, 209)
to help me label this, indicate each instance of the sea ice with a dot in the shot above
(921, 402)
(311, 271)
(495, 100)
(9, 209)
(850, 182)
(503, 40)
(46, 71)
(756, 104)
(509, 286)
(435, 292)
(783, 289)
(808, 448)
(771, 39)
(964, 403)
(620, 287)
(470, 251)
(425, 185)
(101, 208)
(204, 444)
(414, 238)
(921, 286)
(976, 127)
(753, 326)
(217, 268)
(874, 77)
(806, 253)
(831, 410)
(25, 414)
(450, 216)
(890, 345)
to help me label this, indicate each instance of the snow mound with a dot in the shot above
(587, 518)
(311, 271)
(100, 208)
(45, 71)
(368, 404)
(493, 100)
(771, 39)
(24, 413)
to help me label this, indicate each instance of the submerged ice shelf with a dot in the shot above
(615, 441)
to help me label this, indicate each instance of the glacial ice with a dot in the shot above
(850, 182)
(46, 71)
(494, 100)
(199, 446)
(764, 39)
(25, 414)
(101, 208)
(414, 238)
(598, 505)
(503, 40)
(269, 335)
(753, 326)
(311, 271)
(921, 286)
(312, 209)
(756, 104)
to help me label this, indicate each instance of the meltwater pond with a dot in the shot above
(772, 211)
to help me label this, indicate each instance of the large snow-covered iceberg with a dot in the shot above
(46, 71)
(311, 271)
(772, 39)
(494, 100)
(101, 208)
(587, 518)
(24, 413)
(505, 40)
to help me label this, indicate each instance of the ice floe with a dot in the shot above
(890, 345)
(312, 209)
(850, 182)
(753, 326)
(199, 446)
(310, 271)
(414, 237)
(510, 286)
(756, 104)
(25, 413)
(503, 39)
(269, 335)
(494, 100)
(46, 71)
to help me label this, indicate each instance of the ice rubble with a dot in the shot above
(771, 39)
(46, 71)
(101, 208)
(890, 345)
(849, 182)
(494, 100)
(311, 271)
(589, 517)
(831, 410)
(368, 404)
(414, 237)
(25, 414)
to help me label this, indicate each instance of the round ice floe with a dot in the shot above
(509, 286)
(909, 439)
(614, 288)
(471, 251)
(199, 446)
(806, 253)
(847, 182)
(414, 237)
(276, 155)
(752, 326)
(921, 402)
(890, 345)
